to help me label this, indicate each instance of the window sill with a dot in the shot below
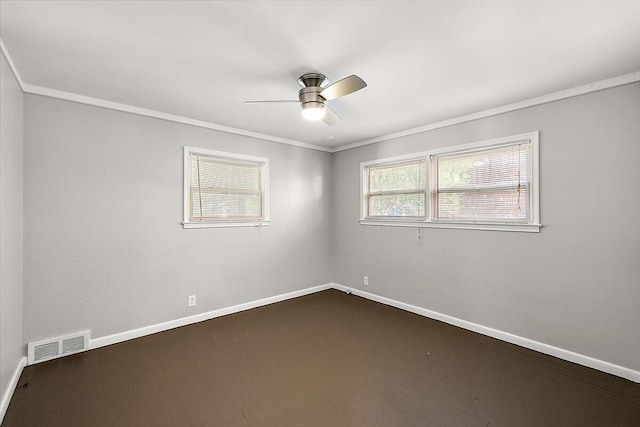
(527, 228)
(225, 224)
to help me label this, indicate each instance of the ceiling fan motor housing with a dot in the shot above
(313, 79)
(312, 84)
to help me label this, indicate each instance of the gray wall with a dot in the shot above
(104, 247)
(575, 285)
(11, 342)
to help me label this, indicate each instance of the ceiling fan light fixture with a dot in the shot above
(316, 92)
(313, 111)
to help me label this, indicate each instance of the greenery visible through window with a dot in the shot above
(397, 190)
(490, 185)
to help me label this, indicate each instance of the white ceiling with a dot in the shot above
(424, 61)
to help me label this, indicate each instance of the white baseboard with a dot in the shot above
(560, 353)
(152, 329)
(8, 393)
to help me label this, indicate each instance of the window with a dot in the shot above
(396, 190)
(489, 184)
(224, 189)
(485, 185)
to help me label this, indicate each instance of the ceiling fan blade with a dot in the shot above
(330, 117)
(268, 102)
(343, 87)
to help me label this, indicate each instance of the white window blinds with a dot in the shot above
(483, 185)
(396, 190)
(224, 188)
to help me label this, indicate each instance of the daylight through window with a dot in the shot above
(397, 190)
(223, 189)
(484, 185)
(488, 184)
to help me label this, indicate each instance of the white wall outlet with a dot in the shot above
(365, 280)
(192, 300)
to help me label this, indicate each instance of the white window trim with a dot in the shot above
(533, 226)
(223, 223)
(364, 189)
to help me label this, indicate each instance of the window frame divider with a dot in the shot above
(532, 225)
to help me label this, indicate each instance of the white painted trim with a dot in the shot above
(11, 387)
(227, 224)
(532, 225)
(560, 353)
(544, 99)
(31, 347)
(81, 99)
(532, 102)
(364, 179)
(264, 181)
(152, 329)
(510, 140)
(97, 102)
(405, 158)
(5, 52)
(527, 228)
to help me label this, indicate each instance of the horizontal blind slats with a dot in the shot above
(403, 176)
(397, 189)
(224, 189)
(486, 205)
(491, 184)
(225, 174)
(487, 187)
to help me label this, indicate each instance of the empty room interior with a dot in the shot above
(320, 213)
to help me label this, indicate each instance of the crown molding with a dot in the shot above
(14, 70)
(532, 102)
(96, 102)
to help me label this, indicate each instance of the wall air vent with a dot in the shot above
(53, 348)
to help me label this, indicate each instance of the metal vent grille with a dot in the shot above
(72, 345)
(56, 347)
(45, 351)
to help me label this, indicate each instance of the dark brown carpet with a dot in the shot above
(327, 359)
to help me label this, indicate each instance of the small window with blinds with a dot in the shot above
(224, 189)
(488, 185)
(396, 190)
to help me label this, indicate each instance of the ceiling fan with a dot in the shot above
(315, 93)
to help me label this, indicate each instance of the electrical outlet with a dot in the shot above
(365, 280)
(192, 300)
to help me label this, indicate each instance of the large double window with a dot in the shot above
(484, 185)
(224, 189)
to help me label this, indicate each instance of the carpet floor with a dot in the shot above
(326, 359)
